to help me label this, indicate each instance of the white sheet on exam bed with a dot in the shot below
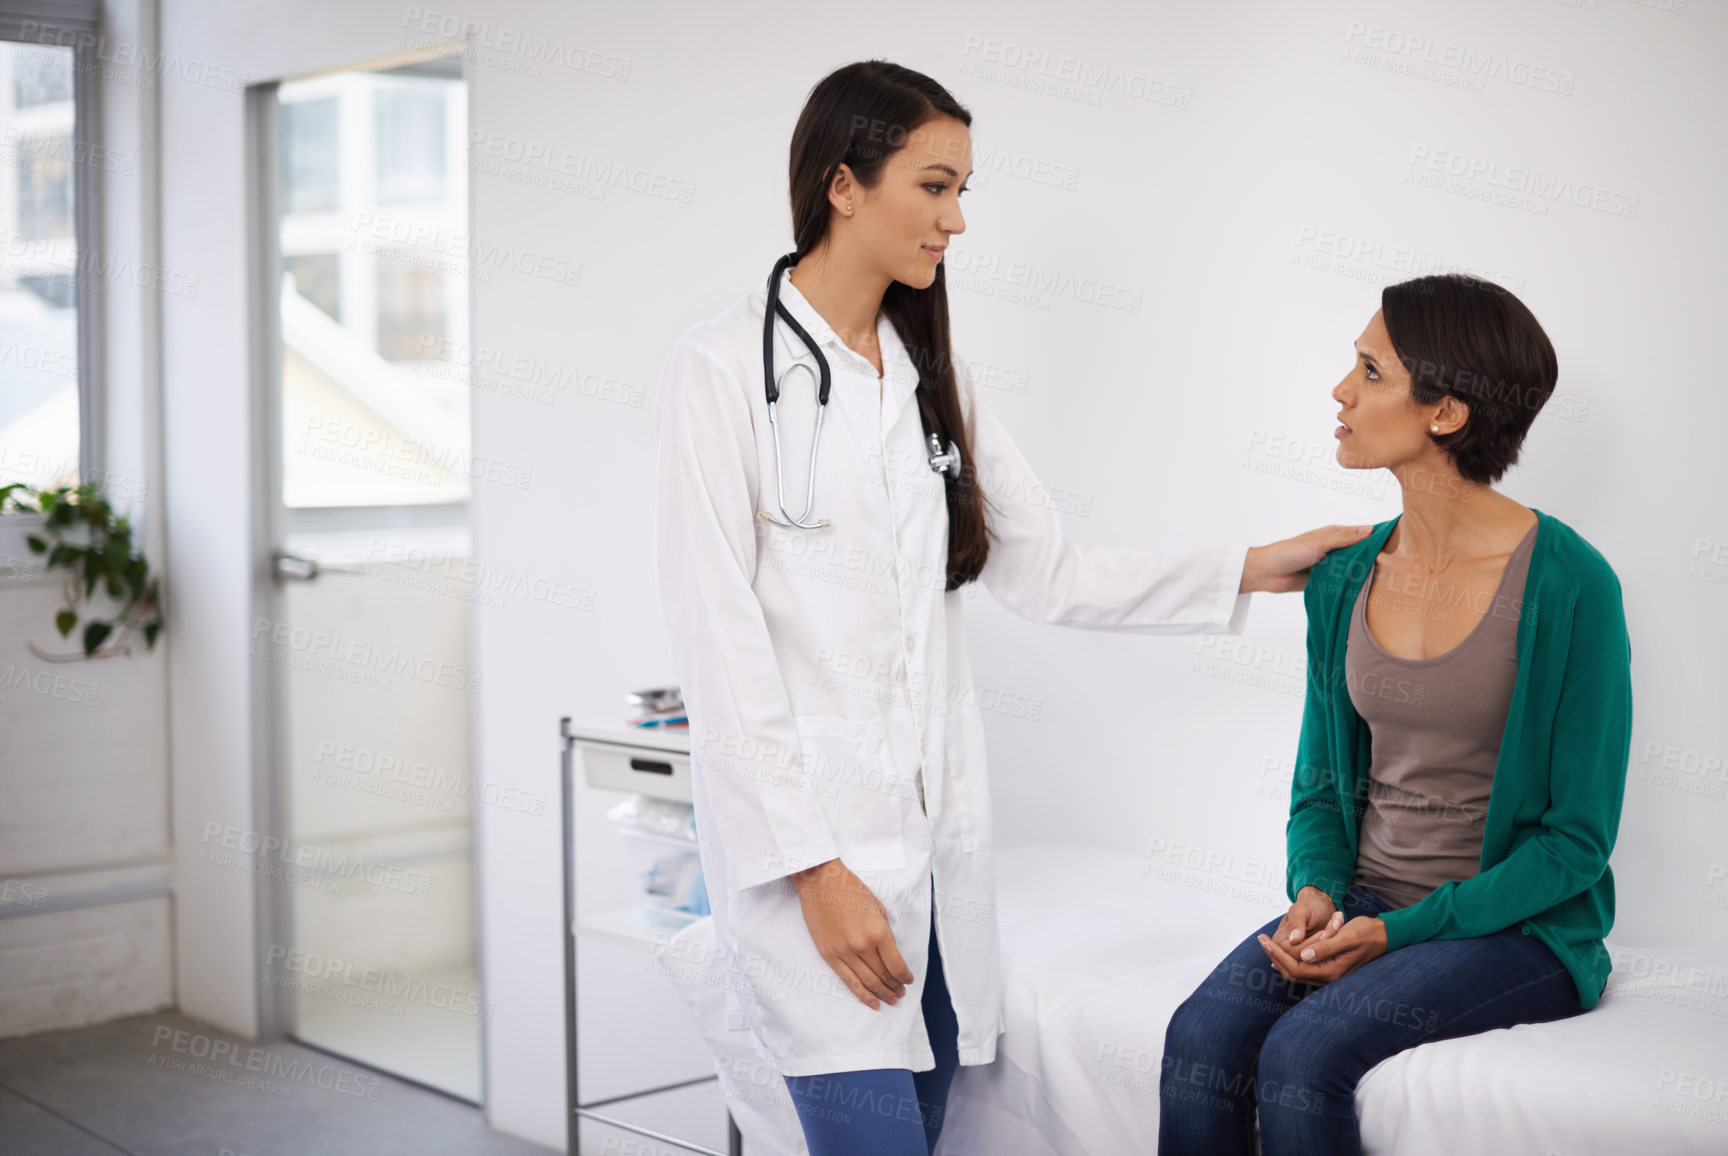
(1097, 956)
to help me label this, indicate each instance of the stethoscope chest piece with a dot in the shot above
(947, 464)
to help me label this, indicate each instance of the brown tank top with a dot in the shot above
(1435, 725)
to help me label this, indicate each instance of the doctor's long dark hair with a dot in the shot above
(860, 115)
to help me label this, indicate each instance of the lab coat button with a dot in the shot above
(909, 644)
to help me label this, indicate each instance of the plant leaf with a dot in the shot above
(65, 621)
(94, 633)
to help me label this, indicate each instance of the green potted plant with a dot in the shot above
(81, 534)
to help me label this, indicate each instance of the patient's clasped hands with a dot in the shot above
(1313, 944)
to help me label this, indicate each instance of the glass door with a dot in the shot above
(368, 646)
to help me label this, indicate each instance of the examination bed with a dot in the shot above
(1097, 954)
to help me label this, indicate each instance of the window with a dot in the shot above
(410, 143)
(410, 309)
(49, 432)
(375, 289)
(310, 180)
(318, 278)
(44, 168)
(40, 76)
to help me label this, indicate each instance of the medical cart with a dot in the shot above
(648, 761)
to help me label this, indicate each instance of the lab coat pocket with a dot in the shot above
(862, 794)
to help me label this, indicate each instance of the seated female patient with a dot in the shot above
(1462, 760)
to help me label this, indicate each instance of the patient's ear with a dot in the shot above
(1451, 417)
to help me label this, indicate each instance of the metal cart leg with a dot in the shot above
(571, 1098)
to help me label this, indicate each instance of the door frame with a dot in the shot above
(274, 922)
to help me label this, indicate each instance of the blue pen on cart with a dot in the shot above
(658, 706)
(660, 722)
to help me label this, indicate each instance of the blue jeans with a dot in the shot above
(885, 1111)
(1248, 1039)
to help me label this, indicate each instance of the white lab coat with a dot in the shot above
(833, 709)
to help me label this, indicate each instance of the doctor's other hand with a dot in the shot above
(850, 928)
(1283, 566)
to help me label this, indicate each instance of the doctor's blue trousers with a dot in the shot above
(886, 1111)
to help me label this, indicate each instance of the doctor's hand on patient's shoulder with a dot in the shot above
(1283, 566)
(850, 928)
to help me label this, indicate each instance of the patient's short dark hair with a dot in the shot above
(1471, 339)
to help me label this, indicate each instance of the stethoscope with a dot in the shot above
(947, 464)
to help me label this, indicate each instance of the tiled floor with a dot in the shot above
(169, 1085)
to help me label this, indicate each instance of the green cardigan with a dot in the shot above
(1560, 778)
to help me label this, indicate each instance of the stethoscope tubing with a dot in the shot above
(947, 464)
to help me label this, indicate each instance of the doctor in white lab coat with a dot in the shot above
(836, 728)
